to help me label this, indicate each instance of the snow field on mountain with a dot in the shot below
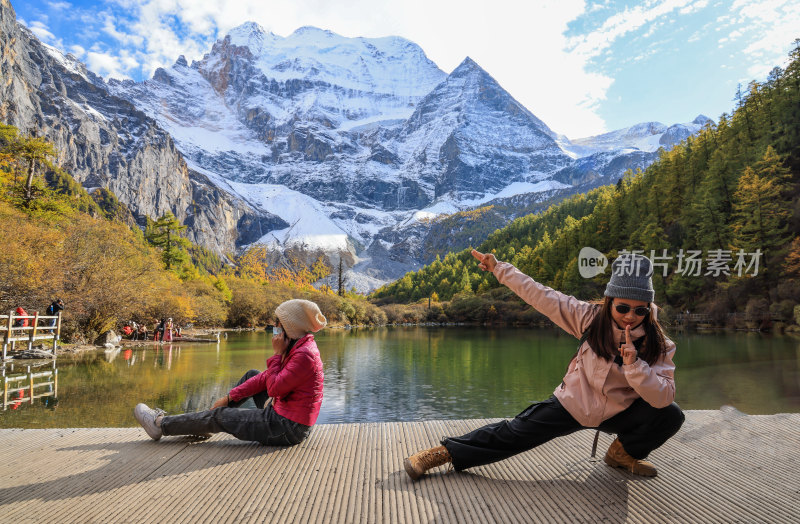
(366, 64)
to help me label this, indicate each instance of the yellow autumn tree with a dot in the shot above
(253, 263)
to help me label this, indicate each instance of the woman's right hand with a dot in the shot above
(220, 403)
(280, 345)
(486, 262)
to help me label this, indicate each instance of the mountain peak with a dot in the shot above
(701, 120)
(248, 34)
(467, 64)
(308, 30)
(247, 28)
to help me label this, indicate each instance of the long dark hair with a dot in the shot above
(600, 335)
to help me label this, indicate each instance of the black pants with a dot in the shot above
(641, 428)
(260, 424)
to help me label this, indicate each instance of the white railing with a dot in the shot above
(40, 327)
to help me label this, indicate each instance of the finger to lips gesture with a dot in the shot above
(628, 350)
(485, 261)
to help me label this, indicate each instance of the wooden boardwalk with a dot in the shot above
(723, 466)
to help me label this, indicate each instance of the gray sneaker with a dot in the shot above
(147, 418)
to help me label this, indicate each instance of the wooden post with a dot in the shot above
(30, 376)
(33, 331)
(55, 380)
(8, 333)
(5, 392)
(57, 334)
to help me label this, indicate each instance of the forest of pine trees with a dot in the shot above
(707, 206)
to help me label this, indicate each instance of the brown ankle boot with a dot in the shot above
(416, 465)
(617, 457)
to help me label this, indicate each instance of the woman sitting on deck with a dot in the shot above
(620, 380)
(293, 379)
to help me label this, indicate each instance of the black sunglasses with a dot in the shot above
(623, 309)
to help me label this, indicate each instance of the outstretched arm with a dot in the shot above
(567, 312)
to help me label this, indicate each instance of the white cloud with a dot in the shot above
(620, 24)
(110, 28)
(60, 6)
(77, 50)
(105, 65)
(693, 8)
(771, 26)
(42, 32)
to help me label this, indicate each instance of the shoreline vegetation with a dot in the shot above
(193, 336)
(739, 323)
(732, 188)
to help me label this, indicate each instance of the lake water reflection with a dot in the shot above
(402, 373)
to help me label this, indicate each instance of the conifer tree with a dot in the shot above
(760, 209)
(164, 233)
(34, 152)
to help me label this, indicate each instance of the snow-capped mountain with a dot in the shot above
(469, 137)
(360, 135)
(647, 137)
(344, 145)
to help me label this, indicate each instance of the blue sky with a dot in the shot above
(582, 66)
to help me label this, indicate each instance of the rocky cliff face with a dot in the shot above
(104, 141)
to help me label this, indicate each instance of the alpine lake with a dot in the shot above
(402, 373)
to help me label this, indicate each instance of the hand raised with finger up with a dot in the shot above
(628, 350)
(486, 262)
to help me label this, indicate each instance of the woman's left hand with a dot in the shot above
(280, 344)
(628, 350)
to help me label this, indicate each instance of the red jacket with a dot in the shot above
(295, 384)
(22, 322)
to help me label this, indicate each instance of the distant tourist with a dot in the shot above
(168, 328)
(22, 322)
(53, 309)
(158, 333)
(620, 381)
(142, 332)
(293, 379)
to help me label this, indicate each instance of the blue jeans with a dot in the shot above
(260, 424)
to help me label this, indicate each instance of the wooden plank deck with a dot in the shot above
(723, 466)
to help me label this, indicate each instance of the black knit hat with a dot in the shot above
(631, 278)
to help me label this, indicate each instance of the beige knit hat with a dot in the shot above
(300, 317)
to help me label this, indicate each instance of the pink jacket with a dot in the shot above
(295, 384)
(594, 389)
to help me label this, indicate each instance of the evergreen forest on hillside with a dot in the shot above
(719, 213)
